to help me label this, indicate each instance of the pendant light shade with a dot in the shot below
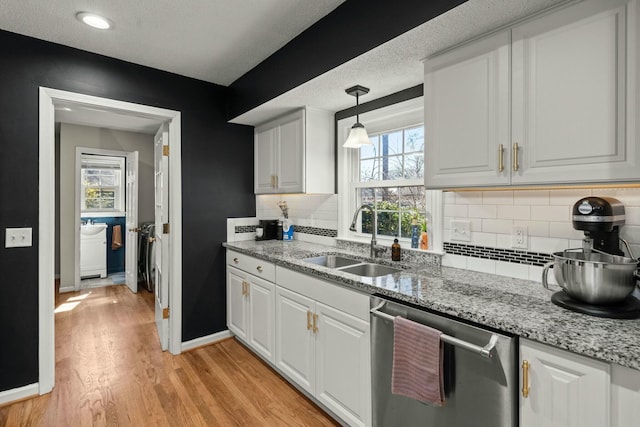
(358, 135)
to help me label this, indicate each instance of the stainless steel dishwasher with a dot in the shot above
(480, 376)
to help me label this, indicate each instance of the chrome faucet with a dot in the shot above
(375, 249)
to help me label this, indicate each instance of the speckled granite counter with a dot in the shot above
(520, 307)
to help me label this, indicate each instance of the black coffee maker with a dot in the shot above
(269, 229)
(600, 218)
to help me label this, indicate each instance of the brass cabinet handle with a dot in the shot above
(259, 268)
(236, 260)
(308, 320)
(244, 288)
(516, 166)
(315, 323)
(525, 379)
(500, 158)
(276, 186)
(135, 230)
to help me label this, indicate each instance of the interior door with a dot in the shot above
(161, 184)
(131, 221)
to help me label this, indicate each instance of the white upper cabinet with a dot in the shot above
(466, 93)
(295, 154)
(570, 88)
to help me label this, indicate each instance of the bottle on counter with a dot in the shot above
(396, 251)
(415, 234)
(424, 238)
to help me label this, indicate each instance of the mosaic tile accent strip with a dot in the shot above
(497, 254)
(245, 229)
(326, 232)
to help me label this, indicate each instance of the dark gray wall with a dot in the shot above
(217, 182)
(351, 29)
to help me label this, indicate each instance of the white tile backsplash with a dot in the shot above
(545, 213)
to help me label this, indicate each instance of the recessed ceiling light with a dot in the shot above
(95, 21)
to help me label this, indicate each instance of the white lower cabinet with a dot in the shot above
(323, 343)
(251, 311)
(564, 389)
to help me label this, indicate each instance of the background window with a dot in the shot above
(102, 186)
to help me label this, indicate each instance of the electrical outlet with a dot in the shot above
(461, 230)
(519, 237)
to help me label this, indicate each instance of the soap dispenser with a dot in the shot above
(396, 251)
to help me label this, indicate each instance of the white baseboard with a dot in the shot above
(19, 393)
(206, 340)
(64, 289)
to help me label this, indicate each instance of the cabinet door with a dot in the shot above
(343, 367)
(466, 93)
(570, 98)
(295, 340)
(565, 389)
(264, 161)
(236, 303)
(261, 317)
(290, 155)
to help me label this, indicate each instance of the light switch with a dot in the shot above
(17, 237)
(461, 230)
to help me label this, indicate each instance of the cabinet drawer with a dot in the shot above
(333, 295)
(255, 266)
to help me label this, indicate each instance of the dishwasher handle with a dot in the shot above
(486, 351)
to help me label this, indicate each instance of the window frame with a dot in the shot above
(119, 188)
(402, 115)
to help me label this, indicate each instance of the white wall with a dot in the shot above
(546, 213)
(72, 136)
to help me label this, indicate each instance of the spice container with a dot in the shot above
(396, 251)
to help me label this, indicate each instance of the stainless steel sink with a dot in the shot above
(332, 261)
(370, 270)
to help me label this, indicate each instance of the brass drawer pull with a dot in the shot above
(236, 260)
(308, 320)
(315, 323)
(500, 158)
(259, 268)
(525, 379)
(516, 164)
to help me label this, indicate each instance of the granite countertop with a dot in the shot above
(516, 306)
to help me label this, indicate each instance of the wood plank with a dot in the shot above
(110, 371)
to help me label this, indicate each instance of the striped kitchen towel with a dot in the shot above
(417, 362)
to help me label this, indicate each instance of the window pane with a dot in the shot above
(391, 143)
(366, 196)
(387, 198)
(414, 166)
(405, 224)
(108, 180)
(388, 223)
(391, 168)
(414, 140)
(369, 170)
(413, 198)
(366, 221)
(93, 180)
(107, 194)
(368, 151)
(108, 204)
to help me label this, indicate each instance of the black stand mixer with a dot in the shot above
(598, 278)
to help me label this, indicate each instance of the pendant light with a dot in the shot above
(358, 134)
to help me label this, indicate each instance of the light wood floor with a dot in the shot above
(110, 371)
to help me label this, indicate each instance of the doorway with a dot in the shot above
(48, 100)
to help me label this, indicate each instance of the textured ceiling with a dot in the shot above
(212, 40)
(397, 64)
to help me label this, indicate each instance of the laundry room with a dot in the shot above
(91, 185)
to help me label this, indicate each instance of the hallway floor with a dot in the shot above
(110, 371)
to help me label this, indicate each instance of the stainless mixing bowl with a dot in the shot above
(594, 278)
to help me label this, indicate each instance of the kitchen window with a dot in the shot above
(390, 179)
(102, 184)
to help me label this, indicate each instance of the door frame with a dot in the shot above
(78, 210)
(46, 220)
